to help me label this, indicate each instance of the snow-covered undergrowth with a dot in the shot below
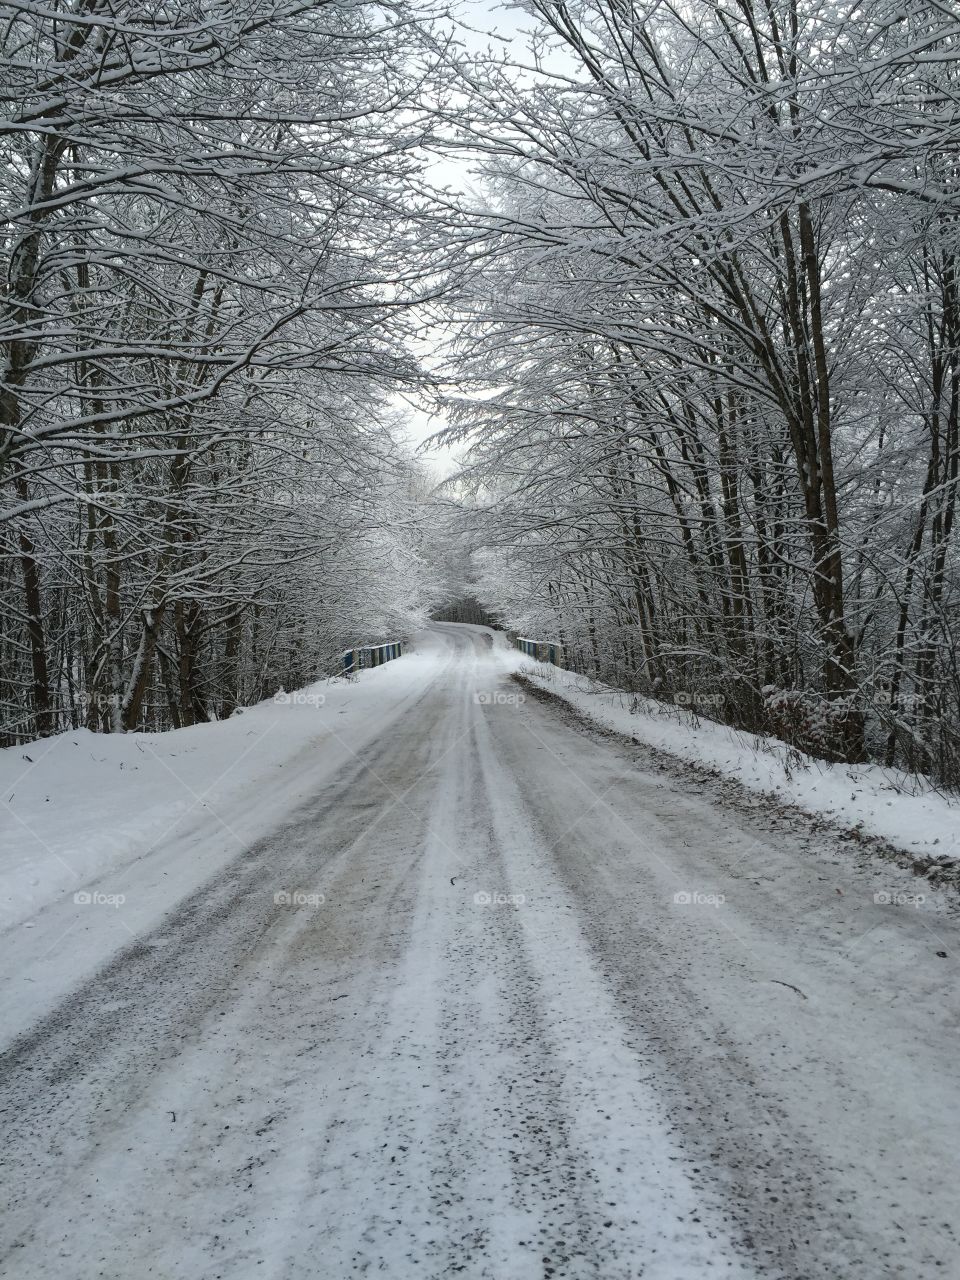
(899, 808)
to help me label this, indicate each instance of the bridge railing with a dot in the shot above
(369, 655)
(541, 650)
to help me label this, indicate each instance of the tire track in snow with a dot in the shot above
(81, 1074)
(783, 1106)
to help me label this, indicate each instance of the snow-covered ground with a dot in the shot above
(438, 983)
(148, 817)
(899, 808)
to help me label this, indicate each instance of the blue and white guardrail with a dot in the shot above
(541, 650)
(370, 655)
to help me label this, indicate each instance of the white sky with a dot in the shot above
(483, 24)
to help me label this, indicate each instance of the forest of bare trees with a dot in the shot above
(214, 231)
(700, 309)
(713, 358)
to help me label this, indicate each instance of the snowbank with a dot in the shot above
(899, 808)
(102, 836)
(82, 807)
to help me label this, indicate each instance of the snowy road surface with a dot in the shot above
(484, 1037)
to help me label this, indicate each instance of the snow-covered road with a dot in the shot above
(502, 998)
